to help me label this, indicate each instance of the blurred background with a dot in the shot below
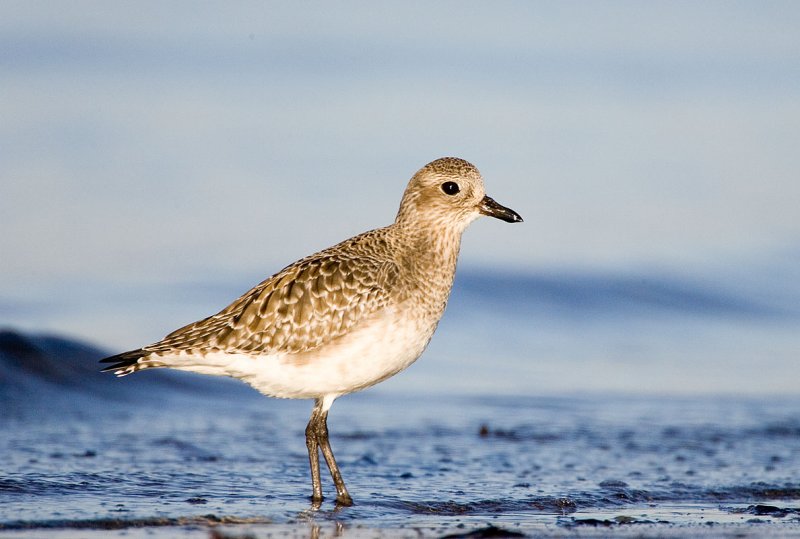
(159, 159)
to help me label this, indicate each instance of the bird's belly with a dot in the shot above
(365, 356)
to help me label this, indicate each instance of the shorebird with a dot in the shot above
(342, 319)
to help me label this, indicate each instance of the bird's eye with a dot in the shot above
(450, 188)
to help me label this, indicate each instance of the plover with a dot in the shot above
(342, 319)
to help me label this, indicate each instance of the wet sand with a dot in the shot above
(165, 455)
(552, 467)
(646, 521)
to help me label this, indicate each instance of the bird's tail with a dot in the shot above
(127, 362)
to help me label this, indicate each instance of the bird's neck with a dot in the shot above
(429, 259)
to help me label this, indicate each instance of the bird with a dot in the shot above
(343, 319)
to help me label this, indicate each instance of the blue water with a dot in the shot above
(546, 404)
(648, 332)
(167, 449)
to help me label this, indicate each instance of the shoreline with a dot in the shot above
(776, 519)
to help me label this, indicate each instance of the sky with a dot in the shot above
(152, 146)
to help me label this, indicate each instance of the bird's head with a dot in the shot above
(449, 193)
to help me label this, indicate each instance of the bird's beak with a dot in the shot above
(491, 208)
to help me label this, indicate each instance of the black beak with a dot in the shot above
(491, 208)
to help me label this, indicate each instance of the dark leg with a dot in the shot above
(313, 451)
(342, 496)
(316, 440)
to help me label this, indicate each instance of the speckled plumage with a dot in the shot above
(302, 307)
(344, 318)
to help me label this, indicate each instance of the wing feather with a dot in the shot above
(306, 305)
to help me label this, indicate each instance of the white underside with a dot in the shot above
(365, 356)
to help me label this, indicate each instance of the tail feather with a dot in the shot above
(126, 363)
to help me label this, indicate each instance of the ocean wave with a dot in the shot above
(589, 293)
(48, 374)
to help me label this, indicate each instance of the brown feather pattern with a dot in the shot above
(302, 307)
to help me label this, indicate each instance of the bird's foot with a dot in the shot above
(316, 503)
(343, 500)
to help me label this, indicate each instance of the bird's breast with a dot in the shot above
(373, 351)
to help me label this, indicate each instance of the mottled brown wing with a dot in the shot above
(301, 308)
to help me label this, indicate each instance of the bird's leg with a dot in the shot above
(313, 451)
(316, 441)
(342, 496)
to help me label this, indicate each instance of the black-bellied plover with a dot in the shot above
(343, 319)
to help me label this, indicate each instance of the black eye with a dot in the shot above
(450, 188)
